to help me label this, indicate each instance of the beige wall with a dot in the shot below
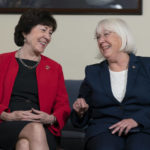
(73, 43)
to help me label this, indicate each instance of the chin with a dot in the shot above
(41, 50)
(107, 55)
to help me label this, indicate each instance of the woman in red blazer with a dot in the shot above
(34, 103)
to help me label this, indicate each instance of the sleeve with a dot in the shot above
(61, 108)
(80, 122)
(84, 92)
(3, 106)
(142, 117)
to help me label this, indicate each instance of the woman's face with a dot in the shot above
(109, 43)
(38, 38)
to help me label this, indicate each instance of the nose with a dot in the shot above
(47, 36)
(101, 39)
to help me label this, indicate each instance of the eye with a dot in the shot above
(43, 29)
(50, 33)
(106, 34)
(97, 37)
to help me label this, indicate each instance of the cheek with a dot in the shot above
(118, 45)
(98, 44)
(99, 47)
(118, 42)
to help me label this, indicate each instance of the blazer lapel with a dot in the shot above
(46, 81)
(131, 78)
(132, 74)
(105, 77)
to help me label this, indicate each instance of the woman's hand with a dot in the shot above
(80, 106)
(124, 125)
(18, 116)
(43, 117)
(29, 115)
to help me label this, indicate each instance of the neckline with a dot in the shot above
(118, 71)
(27, 60)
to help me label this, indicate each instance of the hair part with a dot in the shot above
(30, 19)
(121, 28)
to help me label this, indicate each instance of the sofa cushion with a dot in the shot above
(72, 89)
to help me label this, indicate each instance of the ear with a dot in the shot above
(24, 35)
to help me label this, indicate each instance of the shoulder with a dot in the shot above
(96, 66)
(143, 63)
(144, 60)
(6, 56)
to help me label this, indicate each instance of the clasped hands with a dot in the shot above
(123, 126)
(29, 115)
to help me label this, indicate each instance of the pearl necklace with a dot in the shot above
(24, 64)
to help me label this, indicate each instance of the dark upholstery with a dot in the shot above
(72, 138)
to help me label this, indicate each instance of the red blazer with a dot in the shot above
(53, 97)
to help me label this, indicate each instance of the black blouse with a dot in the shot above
(25, 91)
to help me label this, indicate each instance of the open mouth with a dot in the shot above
(105, 47)
(43, 43)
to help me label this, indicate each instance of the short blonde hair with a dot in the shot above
(121, 28)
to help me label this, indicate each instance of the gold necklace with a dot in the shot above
(24, 64)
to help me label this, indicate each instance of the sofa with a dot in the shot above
(72, 138)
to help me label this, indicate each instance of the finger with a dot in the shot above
(84, 107)
(37, 117)
(127, 130)
(114, 125)
(80, 99)
(121, 131)
(26, 113)
(36, 111)
(78, 105)
(75, 107)
(120, 123)
(31, 117)
(29, 110)
(87, 107)
(82, 103)
(115, 130)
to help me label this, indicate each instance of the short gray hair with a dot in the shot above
(121, 28)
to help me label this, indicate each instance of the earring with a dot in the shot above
(24, 40)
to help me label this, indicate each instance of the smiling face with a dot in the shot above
(109, 43)
(38, 38)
